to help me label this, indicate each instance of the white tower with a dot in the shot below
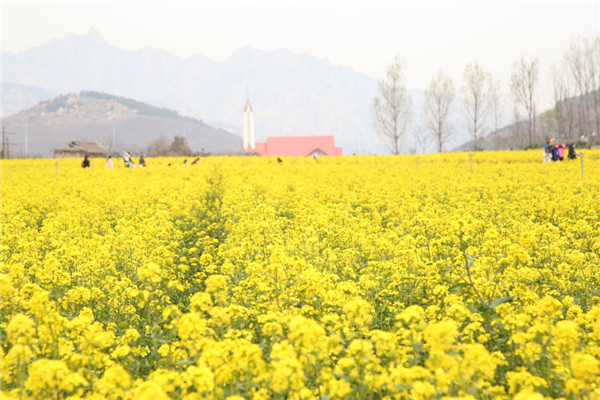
(249, 143)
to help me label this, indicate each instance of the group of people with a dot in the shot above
(556, 152)
(185, 163)
(129, 161)
(110, 163)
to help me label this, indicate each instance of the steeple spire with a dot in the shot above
(249, 143)
(248, 106)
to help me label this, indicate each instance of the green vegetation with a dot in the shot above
(56, 103)
(142, 108)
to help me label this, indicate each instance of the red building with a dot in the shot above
(297, 146)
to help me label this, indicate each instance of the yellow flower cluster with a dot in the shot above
(329, 278)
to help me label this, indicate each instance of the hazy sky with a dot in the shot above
(363, 35)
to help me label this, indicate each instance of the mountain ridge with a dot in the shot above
(292, 94)
(117, 122)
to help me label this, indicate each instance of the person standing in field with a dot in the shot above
(142, 162)
(561, 152)
(109, 162)
(86, 162)
(127, 159)
(547, 154)
(572, 153)
(554, 153)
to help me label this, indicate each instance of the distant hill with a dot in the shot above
(94, 116)
(291, 94)
(502, 139)
(505, 138)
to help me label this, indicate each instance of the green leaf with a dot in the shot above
(472, 308)
(418, 346)
(458, 287)
(500, 300)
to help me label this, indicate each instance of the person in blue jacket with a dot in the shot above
(555, 153)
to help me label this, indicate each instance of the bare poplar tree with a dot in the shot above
(516, 131)
(577, 60)
(496, 108)
(564, 104)
(392, 113)
(438, 100)
(523, 86)
(593, 58)
(421, 139)
(475, 100)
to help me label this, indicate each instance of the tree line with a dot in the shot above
(574, 117)
(161, 147)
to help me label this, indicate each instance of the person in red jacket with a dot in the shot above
(86, 162)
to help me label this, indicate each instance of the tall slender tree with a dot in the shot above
(438, 101)
(564, 104)
(421, 139)
(593, 57)
(475, 105)
(523, 86)
(495, 101)
(392, 111)
(577, 59)
(517, 136)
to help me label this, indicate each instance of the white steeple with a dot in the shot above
(249, 142)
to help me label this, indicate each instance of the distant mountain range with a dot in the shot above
(117, 122)
(291, 94)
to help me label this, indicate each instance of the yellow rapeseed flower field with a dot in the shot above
(373, 277)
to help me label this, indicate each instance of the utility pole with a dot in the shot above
(5, 144)
(112, 144)
(26, 143)
(471, 162)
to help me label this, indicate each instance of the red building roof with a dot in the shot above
(297, 146)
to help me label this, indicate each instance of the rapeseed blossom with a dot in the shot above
(340, 278)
